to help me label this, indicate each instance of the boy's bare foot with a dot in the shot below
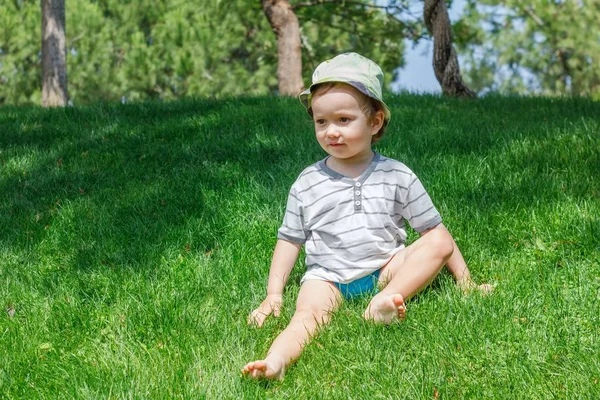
(385, 309)
(270, 368)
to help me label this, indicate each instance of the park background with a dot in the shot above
(141, 49)
(137, 224)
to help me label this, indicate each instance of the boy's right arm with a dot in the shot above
(284, 258)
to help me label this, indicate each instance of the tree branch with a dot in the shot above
(390, 11)
(533, 15)
(338, 27)
(409, 34)
(356, 3)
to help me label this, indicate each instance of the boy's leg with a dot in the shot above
(407, 273)
(316, 301)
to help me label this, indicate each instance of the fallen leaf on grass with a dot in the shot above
(46, 346)
(10, 310)
(540, 245)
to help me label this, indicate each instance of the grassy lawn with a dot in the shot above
(135, 239)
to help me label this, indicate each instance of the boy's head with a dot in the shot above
(361, 74)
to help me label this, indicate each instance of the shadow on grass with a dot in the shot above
(119, 185)
(425, 126)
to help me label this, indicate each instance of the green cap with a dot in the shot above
(355, 70)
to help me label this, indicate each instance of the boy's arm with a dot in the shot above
(284, 258)
(458, 268)
(456, 264)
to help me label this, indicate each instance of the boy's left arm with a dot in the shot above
(458, 267)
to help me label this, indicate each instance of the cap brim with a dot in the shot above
(306, 95)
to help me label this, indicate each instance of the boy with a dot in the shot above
(349, 210)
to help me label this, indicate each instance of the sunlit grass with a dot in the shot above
(135, 239)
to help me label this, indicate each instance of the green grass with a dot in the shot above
(135, 239)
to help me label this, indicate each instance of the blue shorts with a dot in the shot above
(354, 289)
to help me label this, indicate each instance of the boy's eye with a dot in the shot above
(344, 120)
(320, 121)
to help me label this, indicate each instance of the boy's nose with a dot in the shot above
(332, 131)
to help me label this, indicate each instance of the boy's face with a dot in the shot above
(342, 128)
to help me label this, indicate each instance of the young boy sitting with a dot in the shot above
(349, 211)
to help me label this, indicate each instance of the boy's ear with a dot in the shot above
(377, 122)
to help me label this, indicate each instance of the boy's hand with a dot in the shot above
(468, 286)
(271, 304)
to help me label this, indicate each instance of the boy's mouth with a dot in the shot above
(335, 144)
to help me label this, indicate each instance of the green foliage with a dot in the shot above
(548, 47)
(20, 47)
(142, 49)
(135, 239)
(332, 28)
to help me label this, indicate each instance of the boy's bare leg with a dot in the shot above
(407, 273)
(316, 301)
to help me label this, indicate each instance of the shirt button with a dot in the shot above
(357, 192)
(357, 184)
(357, 203)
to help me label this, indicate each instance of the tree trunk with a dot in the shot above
(54, 54)
(285, 24)
(445, 62)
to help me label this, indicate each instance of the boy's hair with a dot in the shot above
(369, 106)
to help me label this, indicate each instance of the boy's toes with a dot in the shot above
(261, 369)
(259, 366)
(255, 369)
(386, 309)
(402, 312)
(399, 303)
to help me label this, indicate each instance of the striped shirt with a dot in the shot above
(353, 227)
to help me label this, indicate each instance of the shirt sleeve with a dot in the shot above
(418, 209)
(292, 228)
